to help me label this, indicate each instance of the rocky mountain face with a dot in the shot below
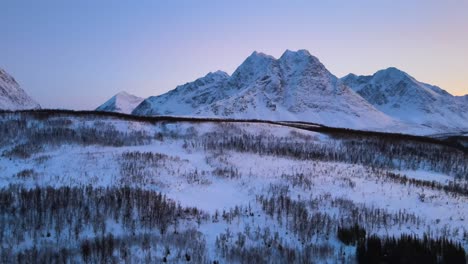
(402, 97)
(295, 87)
(12, 97)
(122, 102)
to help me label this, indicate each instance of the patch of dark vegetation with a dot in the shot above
(409, 249)
(458, 140)
(23, 151)
(452, 187)
(26, 174)
(351, 235)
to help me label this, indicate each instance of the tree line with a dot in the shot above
(371, 152)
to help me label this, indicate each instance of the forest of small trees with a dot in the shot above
(369, 152)
(308, 217)
(78, 223)
(32, 136)
(128, 224)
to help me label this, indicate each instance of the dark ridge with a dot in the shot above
(395, 137)
(333, 131)
(46, 113)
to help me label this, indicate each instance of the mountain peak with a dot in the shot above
(122, 102)
(217, 74)
(256, 66)
(300, 56)
(392, 72)
(257, 58)
(261, 55)
(298, 53)
(123, 94)
(350, 76)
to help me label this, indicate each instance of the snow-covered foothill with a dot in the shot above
(122, 102)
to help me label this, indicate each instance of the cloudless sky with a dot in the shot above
(77, 54)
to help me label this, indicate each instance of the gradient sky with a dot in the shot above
(77, 54)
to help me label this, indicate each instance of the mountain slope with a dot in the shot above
(12, 97)
(294, 87)
(121, 103)
(402, 97)
(185, 98)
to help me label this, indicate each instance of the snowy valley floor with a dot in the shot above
(103, 189)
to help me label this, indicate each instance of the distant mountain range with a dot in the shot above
(294, 87)
(298, 87)
(12, 97)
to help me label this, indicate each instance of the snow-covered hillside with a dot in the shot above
(295, 87)
(402, 97)
(12, 97)
(122, 102)
(184, 99)
(108, 188)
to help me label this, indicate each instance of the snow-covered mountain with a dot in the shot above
(297, 86)
(122, 102)
(12, 97)
(402, 97)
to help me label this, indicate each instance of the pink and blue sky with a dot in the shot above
(77, 54)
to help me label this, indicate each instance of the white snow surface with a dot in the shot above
(12, 97)
(75, 165)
